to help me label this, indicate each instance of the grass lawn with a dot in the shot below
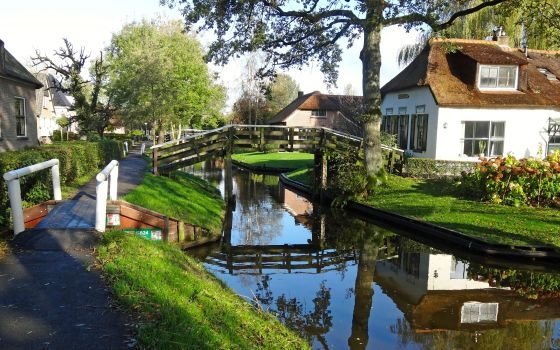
(183, 196)
(438, 203)
(283, 160)
(185, 307)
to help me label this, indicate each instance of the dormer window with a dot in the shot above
(497, 77)
(319, 113)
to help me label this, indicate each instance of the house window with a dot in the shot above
(483, 137)
(388, 111)
(497, 77)
(20, 117)
(419, 133)
(475, 312)
(320, 113)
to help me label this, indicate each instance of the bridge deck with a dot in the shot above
(79, 213)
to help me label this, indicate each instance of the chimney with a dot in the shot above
(2, 57)
(299, 93)
(503, 40)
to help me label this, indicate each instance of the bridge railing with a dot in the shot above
(14, 188)
(195, 148)
(107, 181)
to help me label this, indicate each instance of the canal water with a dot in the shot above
(344, 283)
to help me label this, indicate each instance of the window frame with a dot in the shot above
(20, 117)
(414, 119)
(488, 138)
(316, 113)
(497, 88)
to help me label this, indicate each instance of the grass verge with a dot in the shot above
(437, 202)
(185, 306)
(280, 160)
(182, 196)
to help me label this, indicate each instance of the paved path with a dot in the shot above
(48, 298)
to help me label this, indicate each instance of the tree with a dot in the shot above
(158, 76)
(94, 109)
(280, 93)
(538, 18)
(294, 32)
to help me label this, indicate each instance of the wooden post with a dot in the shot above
(320, 171)
(291, 139)
(228, 172)
(155, 161)
(261, 140)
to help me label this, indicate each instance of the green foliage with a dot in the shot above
(158, 76)
(77, 159)
(184, 307)
(280, 93)
(528, 181)
(184, 197)
(540, 18)
(425, 168)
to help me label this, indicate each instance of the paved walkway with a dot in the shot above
(48, 298)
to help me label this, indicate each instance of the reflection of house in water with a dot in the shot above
(298, 206)
(435, 293)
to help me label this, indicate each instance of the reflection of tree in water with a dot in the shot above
(315, 322)
(261, 219)
(516, 335)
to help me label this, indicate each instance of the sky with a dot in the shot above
(30, 25)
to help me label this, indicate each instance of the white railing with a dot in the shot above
(14, 189)
(107, 180)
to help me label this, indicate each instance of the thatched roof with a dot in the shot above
(451, 76)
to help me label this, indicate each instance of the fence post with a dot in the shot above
(113, 181)
(55, 172)
(101, 205)
(14, 192)
(155, 161)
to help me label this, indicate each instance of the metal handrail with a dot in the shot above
(107, 180)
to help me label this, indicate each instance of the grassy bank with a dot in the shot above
(439, 203)
(183, 305)
(183, 196)
(280, 160)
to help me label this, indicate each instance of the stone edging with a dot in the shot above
(437, 233)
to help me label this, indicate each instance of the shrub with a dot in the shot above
(77, 158)
(425, 168)
(510, 181)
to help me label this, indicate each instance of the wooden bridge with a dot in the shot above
(226, 140)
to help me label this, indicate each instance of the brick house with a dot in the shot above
(315, 109)
(18, 107)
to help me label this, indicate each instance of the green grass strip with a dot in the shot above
(185, 306)
(279, 160)
(182, 196)
(437, 202)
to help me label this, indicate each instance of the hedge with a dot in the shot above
(77, 158)
(425, 168)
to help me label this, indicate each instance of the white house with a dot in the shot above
(462, 98)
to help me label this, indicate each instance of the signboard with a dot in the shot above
(113, 219)
(153, 234)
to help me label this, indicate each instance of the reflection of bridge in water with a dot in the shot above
(299, 258)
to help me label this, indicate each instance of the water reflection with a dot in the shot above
(342, 282)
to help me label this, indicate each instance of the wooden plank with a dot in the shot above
(205, 149)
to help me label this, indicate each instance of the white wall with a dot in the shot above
(417, 96)
(525, 130)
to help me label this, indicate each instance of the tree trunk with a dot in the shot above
(371, 64)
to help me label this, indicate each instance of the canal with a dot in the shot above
(344, 283)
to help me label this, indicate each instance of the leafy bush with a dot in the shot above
(510, 181)
(77, 158)
(425, 168)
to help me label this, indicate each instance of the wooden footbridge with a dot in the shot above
(226, 140)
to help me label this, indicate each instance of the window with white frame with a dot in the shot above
(476, 312)
(497, 77)
(483, 137)
(21, 129)
(320, 113)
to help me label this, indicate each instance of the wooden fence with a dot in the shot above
(225, 140)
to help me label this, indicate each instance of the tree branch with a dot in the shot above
(313, 18)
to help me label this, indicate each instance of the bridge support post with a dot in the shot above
(228, 172)
(320, 171)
